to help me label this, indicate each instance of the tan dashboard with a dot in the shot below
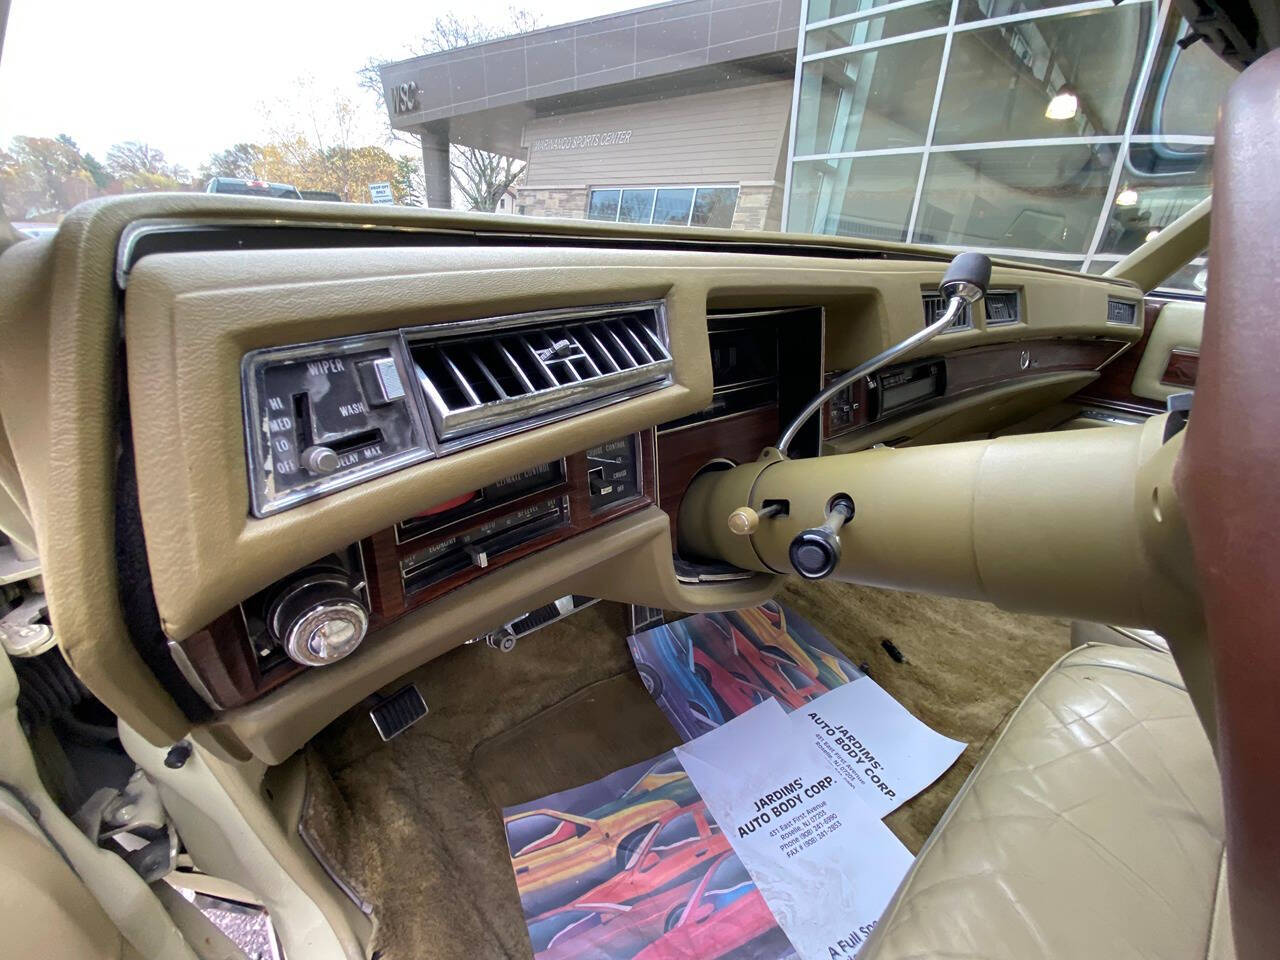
(190, 316)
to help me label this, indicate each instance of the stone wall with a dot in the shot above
(567, 202)
(759, 208)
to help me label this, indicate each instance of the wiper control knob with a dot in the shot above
(815, 552)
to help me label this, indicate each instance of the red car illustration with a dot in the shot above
(678, 847)
(777, 674)
(738, 691)
(590, 930)
(726, 917)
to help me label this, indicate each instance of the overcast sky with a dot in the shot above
(190, 78)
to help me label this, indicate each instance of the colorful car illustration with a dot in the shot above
(677, 847)
(726, 917)
(797, 635)
(735, 692)
(783, 678)
(589, 929)
(665, 664)
(766, 625)
(559, 856)
(720, 640)
(665, 771)
(665, 781)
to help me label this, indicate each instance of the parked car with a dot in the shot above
(253, 188)
(327, 195)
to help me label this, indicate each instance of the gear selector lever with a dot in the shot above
(964, 283)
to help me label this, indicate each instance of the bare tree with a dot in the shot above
(132, 157)
(243, 161)
(481, 177)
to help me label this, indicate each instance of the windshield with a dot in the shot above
(1059, 133)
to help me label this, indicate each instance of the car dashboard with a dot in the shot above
(287, 456)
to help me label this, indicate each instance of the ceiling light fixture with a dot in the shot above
(1128, 197)
(1063, 106)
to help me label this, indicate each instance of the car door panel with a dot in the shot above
(1171, 355)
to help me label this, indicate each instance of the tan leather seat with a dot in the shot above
(1092, 828)
(1084, 632)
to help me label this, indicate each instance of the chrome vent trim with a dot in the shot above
(935, 305)
(482, 376)
(1122, 311)
(1002, 306)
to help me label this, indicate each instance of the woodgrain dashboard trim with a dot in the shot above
(1182, 368)
(973, 371)
(220, 658)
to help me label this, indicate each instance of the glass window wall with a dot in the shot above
(1059, 132)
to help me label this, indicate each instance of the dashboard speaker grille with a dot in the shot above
(935, 305)
(1122, 311)
(1002, 307)
(524, 368)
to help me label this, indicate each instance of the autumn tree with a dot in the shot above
(481, 177)
(140, 168)
(41, 177)
(244, 160)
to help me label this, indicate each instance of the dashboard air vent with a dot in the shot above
(935, 304)
(1122, 311)
(516, 371)
(1002, 307)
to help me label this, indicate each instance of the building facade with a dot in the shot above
(674, 114)
(1061, 132)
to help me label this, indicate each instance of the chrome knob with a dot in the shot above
(320, 459)
(326, 633)
(318, 619)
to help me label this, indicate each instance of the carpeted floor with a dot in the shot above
(414, 824)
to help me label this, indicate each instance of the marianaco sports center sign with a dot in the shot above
(586, 140)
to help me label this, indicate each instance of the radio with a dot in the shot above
(480, 545)
(507, 490)
(453, 542)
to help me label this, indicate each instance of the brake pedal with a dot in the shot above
(398, 712)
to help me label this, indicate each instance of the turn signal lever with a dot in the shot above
(964, 283)
(815, 552)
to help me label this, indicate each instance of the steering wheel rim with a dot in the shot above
(1229, 483)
